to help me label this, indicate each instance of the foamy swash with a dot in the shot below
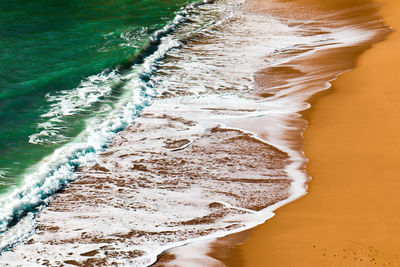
(210, 156)
(57, 170)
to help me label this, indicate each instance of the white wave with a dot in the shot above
(227, 60)
(71, 102)
(97, 87)
(3, 174)
(131, 37)
(57, 170)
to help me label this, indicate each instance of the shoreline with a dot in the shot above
(347, 217)
(192, 149)
(228, 163)
(313, 73)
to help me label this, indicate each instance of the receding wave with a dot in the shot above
(214, 153)
(55, 171)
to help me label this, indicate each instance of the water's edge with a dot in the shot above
(182, 128)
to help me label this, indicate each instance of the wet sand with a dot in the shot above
(350, 216)
(174, 161)
(191, 167)
(309, 73)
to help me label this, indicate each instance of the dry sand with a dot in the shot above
(350, 216)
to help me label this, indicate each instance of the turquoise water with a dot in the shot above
(47, 49)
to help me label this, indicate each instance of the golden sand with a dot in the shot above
(351, 215)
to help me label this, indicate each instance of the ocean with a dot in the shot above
(131, 127)
(56, 64)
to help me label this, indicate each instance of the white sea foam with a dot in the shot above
(57, 170)
(97, 87)
(3, 174)
(209, 72)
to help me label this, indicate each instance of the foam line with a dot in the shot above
(57, 170)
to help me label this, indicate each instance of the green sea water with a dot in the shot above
(49, 48)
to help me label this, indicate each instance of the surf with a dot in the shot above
(177, 158)
(55, 171)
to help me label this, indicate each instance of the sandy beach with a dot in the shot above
(349, 217)
(209, 143)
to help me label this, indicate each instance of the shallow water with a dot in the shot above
(48, 49)
(203, 150)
